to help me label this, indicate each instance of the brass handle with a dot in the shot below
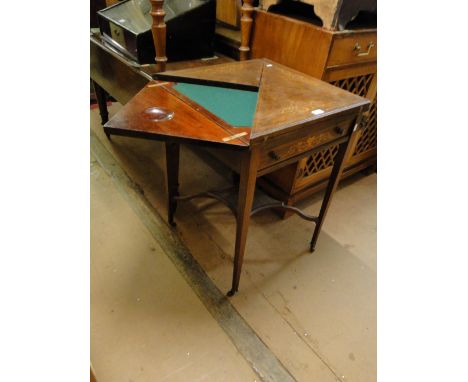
(364, 120)
(357, 48)
(339, 130)
(273, 155)
(362, 123)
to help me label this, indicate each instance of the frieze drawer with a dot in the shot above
(274, 153)
(352, 49)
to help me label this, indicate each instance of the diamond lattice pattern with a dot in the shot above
(323, 159)
(358, 85)
(368, 138)
(319, 161)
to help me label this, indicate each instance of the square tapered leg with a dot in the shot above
(335, 176)
(248, 178)
(101, 97)
(172, 178)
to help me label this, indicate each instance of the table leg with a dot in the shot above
(101, 97)
(172, 179)
(248, 178)
(331, 187)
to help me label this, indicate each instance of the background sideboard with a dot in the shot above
(347, 59)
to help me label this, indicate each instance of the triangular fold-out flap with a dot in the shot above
(231, 108)
(156, 113)
(239, 75)
(288, 98)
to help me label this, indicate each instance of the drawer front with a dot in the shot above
(353, 49)
(285, 149)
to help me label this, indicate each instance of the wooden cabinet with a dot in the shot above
(352, 49)
(333, 14)
(347, 59)
(228, 12)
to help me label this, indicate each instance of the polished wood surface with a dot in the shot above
(282, 149)
(228, 12)
(248, 179)
(111, 2)
(294, 43)
(186, 125)
(246, 73)
(313, 115)
(234, 131)
(307, 47)
(353, 48)
(158, 30)
(287, 99)
(115, 74)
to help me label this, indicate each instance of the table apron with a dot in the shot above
(296, 158)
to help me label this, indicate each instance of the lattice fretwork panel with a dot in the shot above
(358, 85)
(318, 161)
(324, 159)
(368, 138)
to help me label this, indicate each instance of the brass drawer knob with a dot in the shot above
(364, 119)
(273, 155)
(357, 49)
(339, 130)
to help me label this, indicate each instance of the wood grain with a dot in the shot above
(343, 50)
(114, 74)
(111, 2)
(290, 42)
(248, 178)
(287, 98)
(186, 125)
(228, 11)
(246, 29)
(158, 30)
(247, 73)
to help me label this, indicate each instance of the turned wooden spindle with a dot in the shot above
(246, 28)
(159, 33)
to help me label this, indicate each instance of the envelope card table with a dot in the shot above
(259, 114)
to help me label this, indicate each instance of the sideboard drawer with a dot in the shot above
(285, 149)
(353, 49)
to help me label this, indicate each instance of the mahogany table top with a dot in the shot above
(232, 104)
